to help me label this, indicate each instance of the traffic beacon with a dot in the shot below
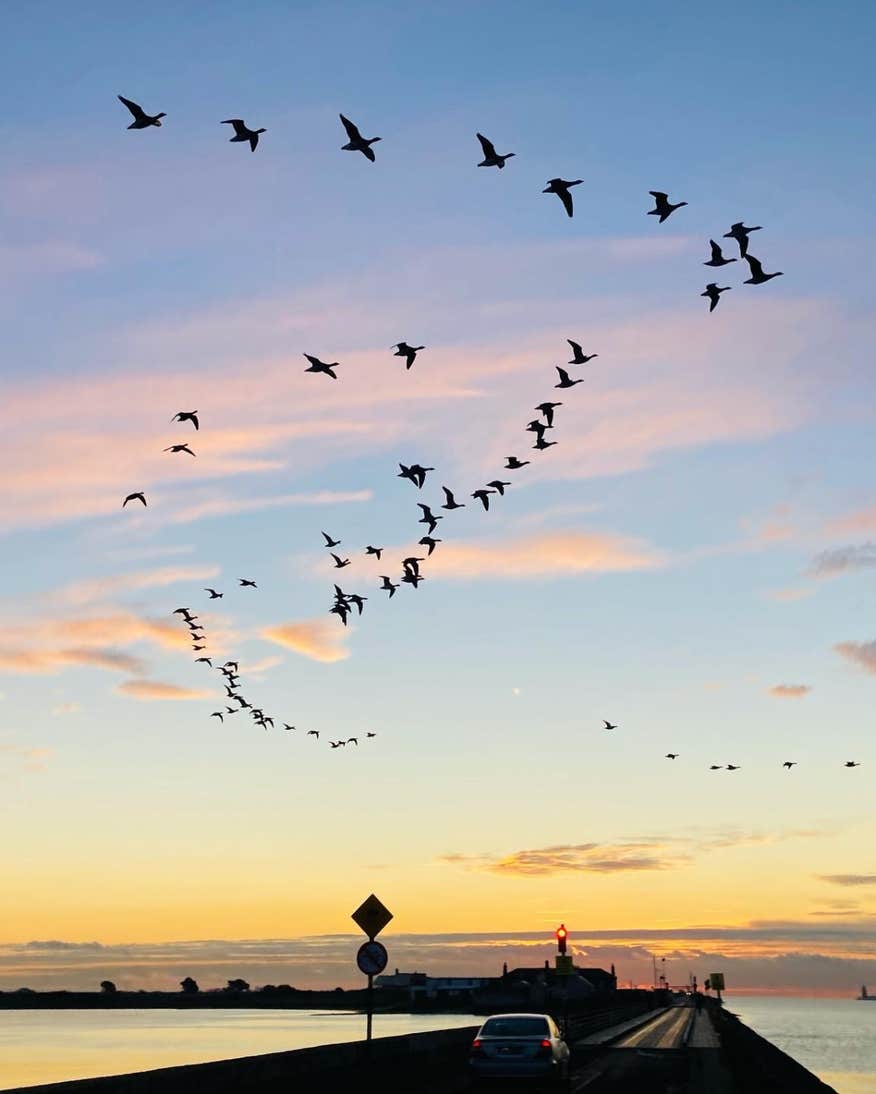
(562, 934)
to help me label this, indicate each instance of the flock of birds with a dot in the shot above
(411, 573)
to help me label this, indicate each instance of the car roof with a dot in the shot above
(520, 1014)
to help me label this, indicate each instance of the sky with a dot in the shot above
(692, 561)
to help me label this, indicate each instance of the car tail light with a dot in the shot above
(476, 1048)
(545, 1048)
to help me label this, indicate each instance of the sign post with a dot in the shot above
(716, 981)
(371, 917)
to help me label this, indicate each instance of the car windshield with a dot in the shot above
(515, 1027)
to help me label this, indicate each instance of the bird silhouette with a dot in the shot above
(137, 496)
(335, 744)
(541, 444)
(411, 577)
(340, 563)
(428, 541)
(245, 583)
(671, 755)
(356, 142)
(513, 464)
(536, 426)
(187, 416)
(320, 366)
(788, 764)
(341, 610)
(428, 517)
(243, 133)
(313, 733)
(359, 601)
(732, 767)
(412, 564)
(499, 486)
(184, 611)
(287, 727)
(419, 473)
(579, 357)
(565, 379)
(851, 763)
(758, 277)
(218, 714)
(560, 187)
(353, 741)
(196, 648)
(213, 594)
(491, 156)
(402, 349)
(713, 292)
(608, 725)
(142, 120)
(450, 501)
(663, 207)
(740, 233)
(231, 665)
(204, 661)
(388, 586)
(717, 258)
(329, 542)
(180, 448)
(376, 551)
(715, 767)
(483, 497)
(547, 409)
(370, 734)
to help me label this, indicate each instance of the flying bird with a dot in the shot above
(732, 767)
(183, 611)
(142, 120)
(370, 734)
(740, 233)
(419, 473)
(218, 714)
(242, 133)
(788, 764)
(851, 763)
(715, 767)
(329, 542)
(353, 741)
(359, 601)
(560, 187)
(204, 661)
(450, 501)
(713, 292)
(608, 725)
(428, 541)
(245, 583)
(671, 755)
(340, 563)
(196, 648)
(356, 142)
(565, 380)
(491, 156)
(536, 426)
(335, 744)
(231, 665)
(376, 551)
(717, 258)
(758, 277)
(287, 727)
(313, 733)
(412, 577)
(428, 517)
(547, 409)
(388, 586)
(499, 486)
(513, 464)
(402, 349)
(663, 207)
(412, 563)
(187, 416)
(180, 448)
(320, 366)
(484, 497)
(137, 496)
(213, 594)
(541, 444)
(579, 357)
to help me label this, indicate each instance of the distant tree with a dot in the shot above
(285, 989)
(341, 990)
(107, 987)
(189, 986)
(237, 986)
(270, 988)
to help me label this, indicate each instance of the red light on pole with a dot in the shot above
(562, 935)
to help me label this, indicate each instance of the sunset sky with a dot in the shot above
(693, 561)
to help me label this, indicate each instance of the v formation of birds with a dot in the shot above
(345, 603)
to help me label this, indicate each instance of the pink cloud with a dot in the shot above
(154, 690)
(319, 639)
(862, 654)
(32, 759)
(222, 507)
(82, 592)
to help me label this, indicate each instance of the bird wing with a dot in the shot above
(659, 197)
(427, 512)
(576, 348)
(716, 251)
(352, 131)
(239, 125)
(488, 146)
(754, 265)
(135, 108)
(566, 198)
(315, 361)
(564, 376)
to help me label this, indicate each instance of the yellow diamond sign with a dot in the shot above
(372, 916)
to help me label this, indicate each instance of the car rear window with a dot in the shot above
(515, 1027)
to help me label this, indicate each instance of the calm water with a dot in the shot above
(48, 1046)
(834, 1038)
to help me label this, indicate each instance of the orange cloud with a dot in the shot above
(319, 639)
(551, 554)
(100, 588)
(790, 691)
(862, 654)
(576, 858)
(37, 661)
(149, 690)
(33, 759)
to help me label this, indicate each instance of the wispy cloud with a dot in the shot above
(53, 660)
(318, 639)
(862, 654)
(32, 759)
(223, 507)
(151, 690)
(844, 560)
(101, 588)
(790, 691)
(66, 708)
(848, 879)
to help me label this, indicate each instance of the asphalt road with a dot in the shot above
(666, 1032)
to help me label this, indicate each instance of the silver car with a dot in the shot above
(519, 1046)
